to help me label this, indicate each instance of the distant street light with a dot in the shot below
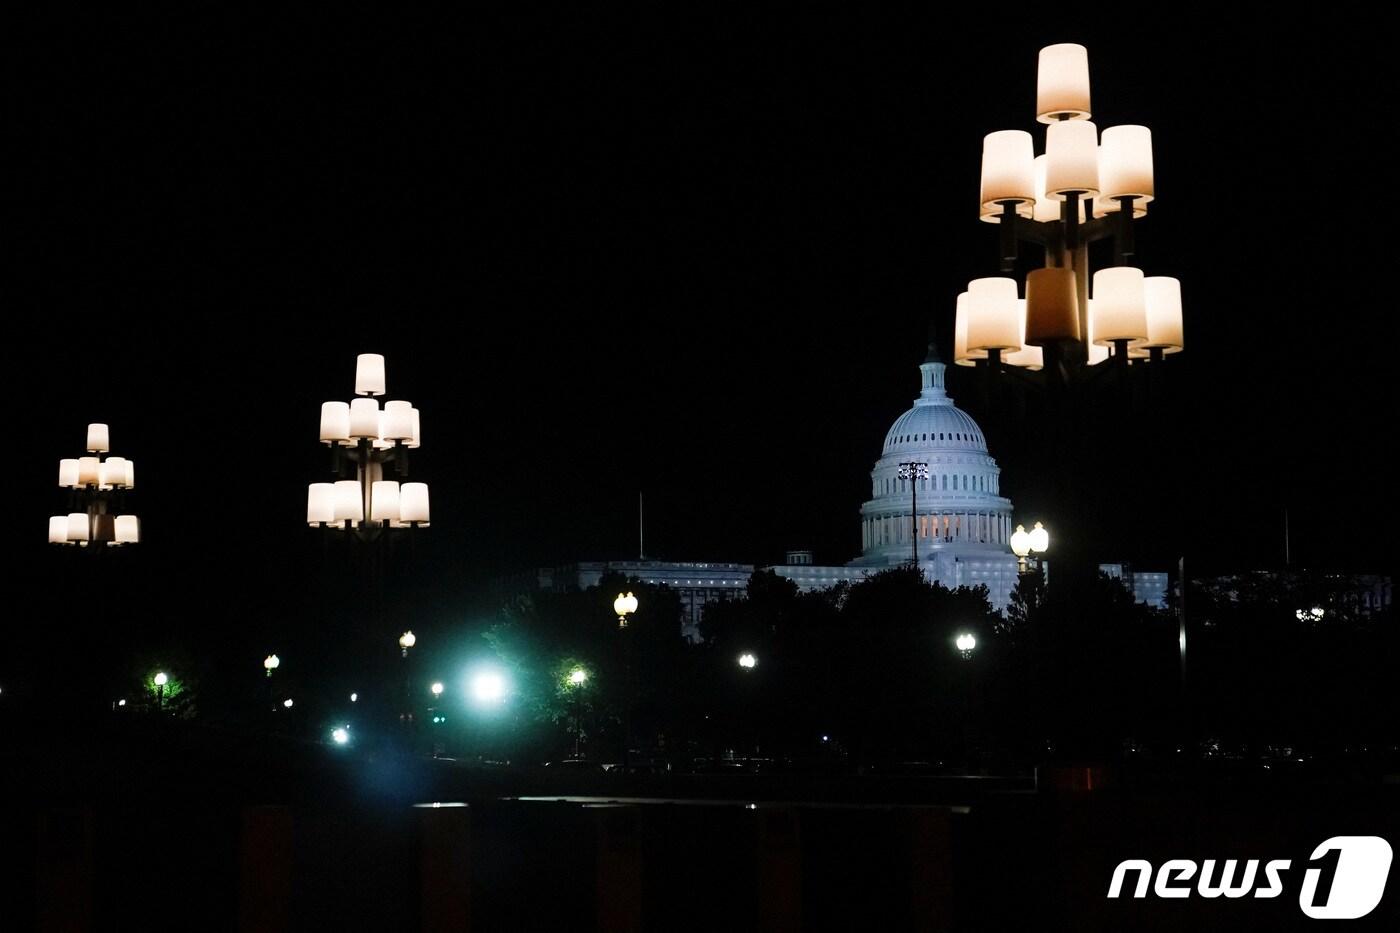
(287, 703)
(359, 433)
(914, 471)
(577, 678)
(97, 487)
(747, 661)
(160, 680)
(489, 687)
(1023, 543)
(966, 642)
(437, 689)
(624, 606)
(340, 735)
(271, 663)
(407, 640)
(354, 698)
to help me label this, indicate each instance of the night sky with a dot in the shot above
(697, 258)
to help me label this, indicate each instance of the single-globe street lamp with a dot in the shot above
(489, 687)
(160, 680)
(437, 690)
(577, 678)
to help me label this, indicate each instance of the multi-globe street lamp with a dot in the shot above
(748, 660)
(624, 606)
(407, 640)
(98, 489)
(364, 437)
(1024, 543)
(966, 643)
(1083, 188)
(271, 663)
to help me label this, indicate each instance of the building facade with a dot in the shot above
(954, 517)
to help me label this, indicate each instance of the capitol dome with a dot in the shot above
(955, 514)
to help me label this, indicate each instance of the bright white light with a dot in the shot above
(407, 640)
(354, 698)
(966, 642)
(488, 686)
(747, 660)
(121, 702)
(437, 689)
(287, 703)
(271, 662)
(341, 735)
(160, 680)
(578, 677)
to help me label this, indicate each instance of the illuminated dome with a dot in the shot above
(964, 523)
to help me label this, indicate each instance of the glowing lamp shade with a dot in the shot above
(1164, 313)
(398, 421)
(349, 504)
(1039, 539)
(1047, 209)
(88, 471)
(962, 356)
(130, 474)
(993, 319)
(58, 529)
(1125, 163)
(78, 527)
(1120, 305)
(1052, 306)
(1020, 541)
(127, 530)
(335, 422)
(68, 473)
(98, 441)
(1062, 83)
(1071, 159)
(320, 503)
(113, 471)
(1027, 357)
(417, 439)
(1008, 167)
(369, 374)
(413, 502)
(384, 501)
(364, 418)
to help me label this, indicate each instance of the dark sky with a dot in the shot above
(696, 257)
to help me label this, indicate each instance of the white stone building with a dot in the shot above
(962, 526)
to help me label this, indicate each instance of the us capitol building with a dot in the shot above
(964, 524)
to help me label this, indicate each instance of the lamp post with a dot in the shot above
(1085, 187)
(97, 488)
(914, 471)
(363, 440)
(577, 678)
(966, 642)
(160, 680)
(406, 641)
(271, 663)
(1024, 543)
(624, 606)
